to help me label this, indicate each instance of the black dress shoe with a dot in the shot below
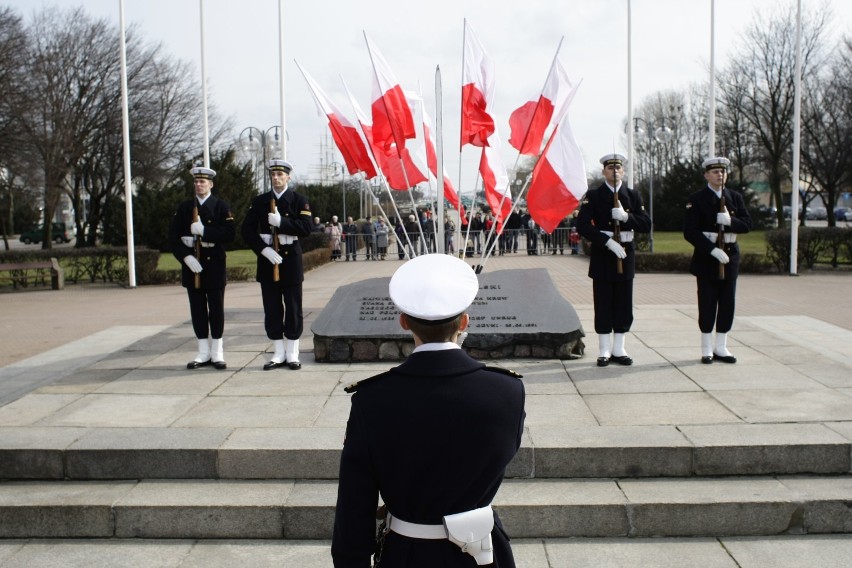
(197, 364)
(273, 365)
(622, 360)
(220, 365)
(725, 358)
(294, 365)
(707, 359)
(603, 361)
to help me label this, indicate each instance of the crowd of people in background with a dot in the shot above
(380, 238)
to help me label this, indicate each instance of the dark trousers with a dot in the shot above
(613, 302)
(282, 310)
(716, 303)
(207, 308)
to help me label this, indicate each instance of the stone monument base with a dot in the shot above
(516, 314)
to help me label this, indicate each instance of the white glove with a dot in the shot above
(616, 248)
(619, 214)
(720, 255)
(188, 241)
(275, 219)
(723, 219)
(192, 263)
(271, 255)
(197, 228)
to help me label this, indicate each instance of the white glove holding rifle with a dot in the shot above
(619, 214)
(616, 248)
(192, 263)
(723, 219)
(271, 255)
(720, 255)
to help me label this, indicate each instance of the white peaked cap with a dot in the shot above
(433, 287)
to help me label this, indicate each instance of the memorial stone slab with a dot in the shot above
(516, 313)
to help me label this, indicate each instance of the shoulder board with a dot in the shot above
(356, 385)
(503, 371)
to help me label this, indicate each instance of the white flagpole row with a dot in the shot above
(797, 127)
(439, 169)
(630, 147)
(711, 134)
(125, 136)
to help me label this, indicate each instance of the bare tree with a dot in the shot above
(827, 129)
(758, 86)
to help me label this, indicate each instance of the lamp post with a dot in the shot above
(655, 135)
(260, 146)
(337, 169)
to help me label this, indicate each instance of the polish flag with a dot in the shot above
(345, 134)
(498, 193)
(530, 121)
(477, 125)
(558, 179)
(392, 119)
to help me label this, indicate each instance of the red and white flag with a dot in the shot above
(558, 179)
(530, 122)
(392, 119)
(345, 134)
(498, 192)
(477, 124)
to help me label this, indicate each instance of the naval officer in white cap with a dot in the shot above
(711, 225)
(432, 436)
(273, 234)
(197, 234)
(609, 218)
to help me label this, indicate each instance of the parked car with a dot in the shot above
(58, 231)
(816, 213)
(840, 213)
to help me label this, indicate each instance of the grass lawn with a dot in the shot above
(673, 241)
(245, 258)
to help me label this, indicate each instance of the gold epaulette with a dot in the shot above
(503, 371)
(358, 384)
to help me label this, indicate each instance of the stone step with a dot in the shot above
(533, 508)
(825, 551)
(314, 453)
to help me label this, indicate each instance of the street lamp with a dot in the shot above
(337, 169)
(260, 146)
(656, 135)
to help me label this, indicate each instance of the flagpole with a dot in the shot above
(797, 127)
(461, 145)
(204, 88)
(711, 119)
(281, 77)
(439, 156)
(125, 140)
(629, 96)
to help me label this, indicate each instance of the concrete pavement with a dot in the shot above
(90, 368)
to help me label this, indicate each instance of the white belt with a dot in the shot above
(729, 237)
(470, 531)
(626, 236)
(413, 530)
(207, 245)
(282, 239)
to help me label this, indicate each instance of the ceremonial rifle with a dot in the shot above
(197, 246)
(276, 275)
(720, 239)
(616, 226)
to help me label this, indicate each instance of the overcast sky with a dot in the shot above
(671, 50)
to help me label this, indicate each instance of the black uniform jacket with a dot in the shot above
(433, 436)
(596, 216)
(296, 220)
(218, 229)
(701, 209)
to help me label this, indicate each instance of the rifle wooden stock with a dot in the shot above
(197, 246)
(276, 273)
(720, 239)
(616, 234)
